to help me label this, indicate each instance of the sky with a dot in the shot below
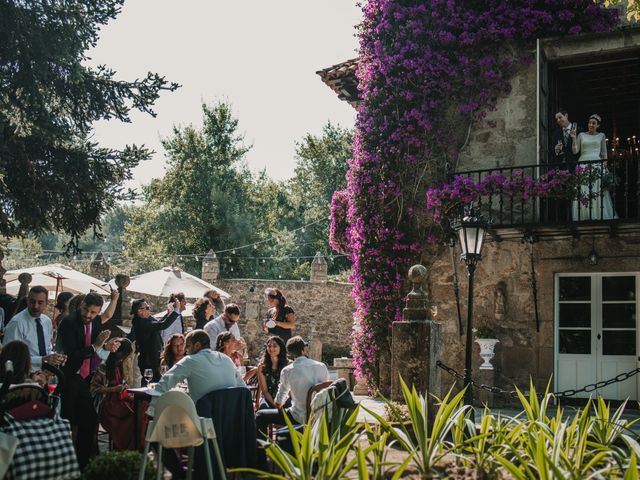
(259, 56)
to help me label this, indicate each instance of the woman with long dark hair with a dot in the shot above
(174, 351)
(203, 311)
(273, 360)
(113, 404)
(280, 319)
(228, 344)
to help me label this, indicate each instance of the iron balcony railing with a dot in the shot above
(609, 192)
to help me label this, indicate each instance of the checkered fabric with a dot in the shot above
(45, 450)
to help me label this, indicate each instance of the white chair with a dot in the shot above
(176, 424)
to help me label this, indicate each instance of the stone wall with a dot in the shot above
(324, 312)
(522, 352)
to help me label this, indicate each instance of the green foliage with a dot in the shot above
(54, 178)
(118, 465)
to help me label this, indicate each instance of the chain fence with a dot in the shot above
(561, 394)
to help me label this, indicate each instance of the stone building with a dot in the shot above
(560, 294)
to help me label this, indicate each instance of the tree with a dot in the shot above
(633, 8)
(322, 164)
(200, 202)
(52, 177)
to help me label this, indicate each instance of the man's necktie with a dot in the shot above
(42, 348)
(85, 368)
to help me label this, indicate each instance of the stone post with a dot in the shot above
(344, 367)
(122, 314)
(3, 282)
(210, 267)
(319, 269)
(416, 342)
(99, 267)
(24, 279)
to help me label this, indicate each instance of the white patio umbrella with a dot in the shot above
(168, 280)
(57, 276)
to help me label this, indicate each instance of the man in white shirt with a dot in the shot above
(295, 380)
(205, 370)
(228, 321)
(35, 329)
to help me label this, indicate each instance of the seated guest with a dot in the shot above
(204, 369)
(295, 381)
(268, 371)
(113, 404)
(173, 352)
(145, 331)
(203, 311)
(228, 344)
(18, 353)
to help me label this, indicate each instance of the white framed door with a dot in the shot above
(596, 332)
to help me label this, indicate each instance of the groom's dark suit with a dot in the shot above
(566, 155)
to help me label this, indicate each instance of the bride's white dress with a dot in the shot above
(600, 206)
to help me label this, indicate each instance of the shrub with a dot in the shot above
(118, 465)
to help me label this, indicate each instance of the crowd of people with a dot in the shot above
(98, 363)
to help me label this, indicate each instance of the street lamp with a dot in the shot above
(471, 230)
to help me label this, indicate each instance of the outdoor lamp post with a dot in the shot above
(471, 230)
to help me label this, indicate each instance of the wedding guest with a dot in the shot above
(173, 352)
(62, 306)
(114, 406)
(216, 300)
(273, 360)
(203, 312)
(280, 319)
(178, 326)
(228, 344)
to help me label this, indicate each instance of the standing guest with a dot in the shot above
(269, 369)
(227, 322)
(204, 369)
(84, 341)
(280, 318)
(62, 306)
(34, 328)
(217, 301)
(145, 331)
(296, 380)
(203, 311)
(113, 404)
(228, 344)
(1, 323)
(173, 352)
(178, 326)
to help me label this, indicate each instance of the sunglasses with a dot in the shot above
(145, 308)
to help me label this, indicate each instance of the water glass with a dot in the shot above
(148, 375)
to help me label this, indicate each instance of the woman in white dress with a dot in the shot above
(592, 146)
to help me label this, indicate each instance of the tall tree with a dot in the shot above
(52, 177)
(200, 202)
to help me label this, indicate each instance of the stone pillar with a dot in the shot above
(210, 267)
(3, 282)
(99, 267)
(416, 342)
(319, 269)
(344, 367)
(24, 279)
(122, 315)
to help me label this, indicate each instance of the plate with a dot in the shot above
(271, 324)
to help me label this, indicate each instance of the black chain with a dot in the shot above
(562, 394)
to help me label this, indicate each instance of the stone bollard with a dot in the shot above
(416, 342)
(3, 282)
(344, 367)
(99, 267)
(122, 315)
(24, 279)
(210, 267)
(318, 269)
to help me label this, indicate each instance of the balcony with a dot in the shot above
(606, 185)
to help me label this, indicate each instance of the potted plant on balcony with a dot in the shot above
(486, 339)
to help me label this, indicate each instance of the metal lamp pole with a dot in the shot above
(471, 232)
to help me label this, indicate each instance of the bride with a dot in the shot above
(592, 146)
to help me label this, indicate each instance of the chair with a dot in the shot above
(312, 392)
(176, 424)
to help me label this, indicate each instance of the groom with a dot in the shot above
(562, 141)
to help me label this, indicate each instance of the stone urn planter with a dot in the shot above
(487, 346)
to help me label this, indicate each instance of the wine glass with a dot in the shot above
(52, 384)
(148, 375)
(434, 311)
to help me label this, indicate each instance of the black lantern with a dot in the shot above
(471, 230)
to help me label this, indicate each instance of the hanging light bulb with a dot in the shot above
(229, 259)
(303, 229)
(255, 247)
(232, 269)
(263, 260)
(233, 251)
(197, 258)
(256, 274)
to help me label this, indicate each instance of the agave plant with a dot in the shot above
(372, 461)
(427, 441)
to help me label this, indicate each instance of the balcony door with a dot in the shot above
(596, 332)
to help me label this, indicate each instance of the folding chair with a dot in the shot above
(176, 424)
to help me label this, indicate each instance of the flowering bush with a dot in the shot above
(450, 198)
(338, 233)
(426, 68)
